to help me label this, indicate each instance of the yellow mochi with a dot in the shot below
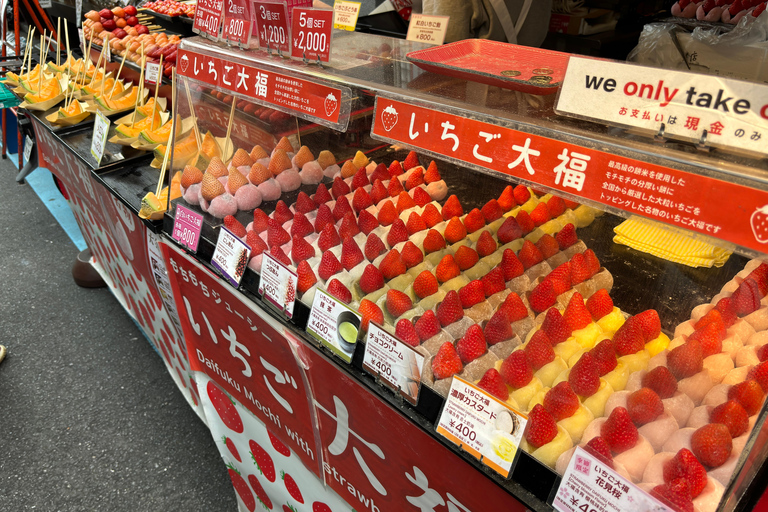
(611, 322)
(618, 377)
(524, 395)
(577, 423)
(549, 453)
(596, 402)
(588, 336)
(658, 344)
(549, 372)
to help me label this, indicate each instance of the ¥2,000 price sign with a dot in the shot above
(278, 284)
(427, 29)
(311, 29)
(186, 227)
(236, 24)
(271, 24)
(482, 425)
(397, 365)
(208, 18)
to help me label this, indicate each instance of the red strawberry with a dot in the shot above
(710, 338)
(434, 241)
(427, 326)
(387, 213)
(556, 206)
(548, 246)
(304, 203)
(301, 225)
(392, 265)
(328, 238)
(474, 221)
(260, 221)
(493, 282)
(259, 490)
(599, 304)
(394, 188)
(685, 360)
(351, 255)
(450, 309)
(576, 314)
(561, 278)
(491, 211)
(329, 266)
(598, 447)
(301, 250)
(733, 415)
(380, 173)
(486, 245)
(676, 494)
(760, 275)
(397, 303)
(341, 208)
(278, 254)
(541, 427)
(543, 296)
(506, 200)
(370, 313)
(360, 179)
(584, 379)
(282, 213)
(762, 353)
(561, 401)
(338, 290)
(378, 192)
(759, 373)
(466, 257)
(629, 338)
(726, 313)
(746, 298)
(415, 178)
(644, 406)
(447, 269)
(454, 231)
(404, 202)
(262, 460)
(190, 176)
(373, 247)
(371, 280)
(685, 465)
(446, 362)
(472, 345)
(521, 193)
(515, 369)
(529, 255)
(566, 237)
(241, 487)
(556, 326)
(452, 208)
(525, 222)
(540, 214)
(257, 245)
(234, 226)
(511, 265)
(292, 487)
(471, 294)
(571, 205)
(406, 332)
(661, 380)
(712, 444)
(592, 262)
(749, 394)
(579, 270)
(431, 216)
(276, 235)
(432, 175)
(498, 328)
(224, 407)
(619, 431)
(322, 195)
(415, 224)
(339, 188)
(367, 222)
(411, 254)
(412, 160)
(361, 200)
(605, 357)
(307, 278)
(323, 218)
(712, 317)
(395, 169)
(509, 230)
(539, 350)
(397, 233)
(425, 284)
(492, 382)
(649, 323)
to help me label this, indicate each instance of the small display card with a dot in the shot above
(152, 73)
(278, 284)
(397, 365)
(428, 29)
(311, 29)
(208, 18)
(99, 139)
(230, 256)
(334, 325)
(345, 15)
(28, 145)
(271, 25)
(186, 227)
(236, 27)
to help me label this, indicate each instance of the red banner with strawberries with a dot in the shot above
(672, 196)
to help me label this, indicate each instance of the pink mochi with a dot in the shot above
(311, 173)
(289, 180)
(270, 190)
(192, 194)
(222, 206)
(248, 197)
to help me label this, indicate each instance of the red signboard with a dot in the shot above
(236, 24)
(284, 92)
(311, 29)
(208, 18)
(271, 25)
(668, 195)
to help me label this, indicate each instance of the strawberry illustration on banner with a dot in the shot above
(331, 104)
(759, 223)
(389, 118)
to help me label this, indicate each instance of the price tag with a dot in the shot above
(230, 256)
(429, 29)
(28, 145)
(398, 365)
(345, 14)
(45, 4)
(99, 139)
(107, 51)
(334, 325)
(278, 284)
(271, 25)
(208, 18)
(152, 73)
(236, 26)
(186, 227)
(82, 40)
(311, 31)
(79, 12)
(482, 425)
(589, 485)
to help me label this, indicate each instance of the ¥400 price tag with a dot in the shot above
(208, 18)
(334, 325)
(271, 24)
(397, 365)
(231, 256)
(427, 28)
(278, 284)
(311, 29)
(186, 227)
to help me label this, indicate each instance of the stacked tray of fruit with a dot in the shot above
(118, 23)
(171, 8)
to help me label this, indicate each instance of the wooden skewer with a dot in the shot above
(141, 85)
(66, 37)
(58, 40)
(157, 89)
(192, 115)
(26, 52)
(46, 39)
(120, 70)
(96, 70)
(229, 127)
(172, 137)
(40, 79)
(104, 75)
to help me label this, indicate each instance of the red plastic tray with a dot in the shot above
(510, 66)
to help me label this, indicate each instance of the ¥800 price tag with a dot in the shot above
(271, 24)
(334, 325)
(311, 29)
(278, 284)
(482, 425)
(398, 365)
(429, 29)
(236, 27)
(99, 139)
(186, 227)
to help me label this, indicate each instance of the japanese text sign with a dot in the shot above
(152, 73)
(271, 25)
(311, 31)
(187, 225)
(99, 139)
(395, 363)
(482, 425)
(589, 482)
(334, 325)
(676, 197)
(345, 14)
(236, 23)
(424, 28)
(278, 284)
(731, 112)
(208, 18)
(231, 256)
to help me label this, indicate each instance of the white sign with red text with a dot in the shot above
(394, 362)
(424, 28)
(278, 284)
(714, 110)
(230, 256)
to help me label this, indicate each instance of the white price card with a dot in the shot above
(397, 364)
(99, 139)
(424, 28)
(482, 425)
(152, 72)
(278, 284)
(345, 15)
(592, 486)
(28, 145)
(107, 52)
(79, 12)
(45, 4)
(230, 256)
(334, 325)
(82, 40)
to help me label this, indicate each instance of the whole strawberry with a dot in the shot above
(661, 380)
(676, 494)
(712, 444)
(539, 350)
(450, 309)
(583, 377)
(492, 382)
(685, 465)
(446, 362)
(685, 360)
(561, 401)
(541, 427)
(472, 345)
(556, 326)
(515, 369)
(749, 394)
(644, 406)
(397, 303)
(619, 431)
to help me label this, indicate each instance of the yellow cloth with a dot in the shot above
(670, 243)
